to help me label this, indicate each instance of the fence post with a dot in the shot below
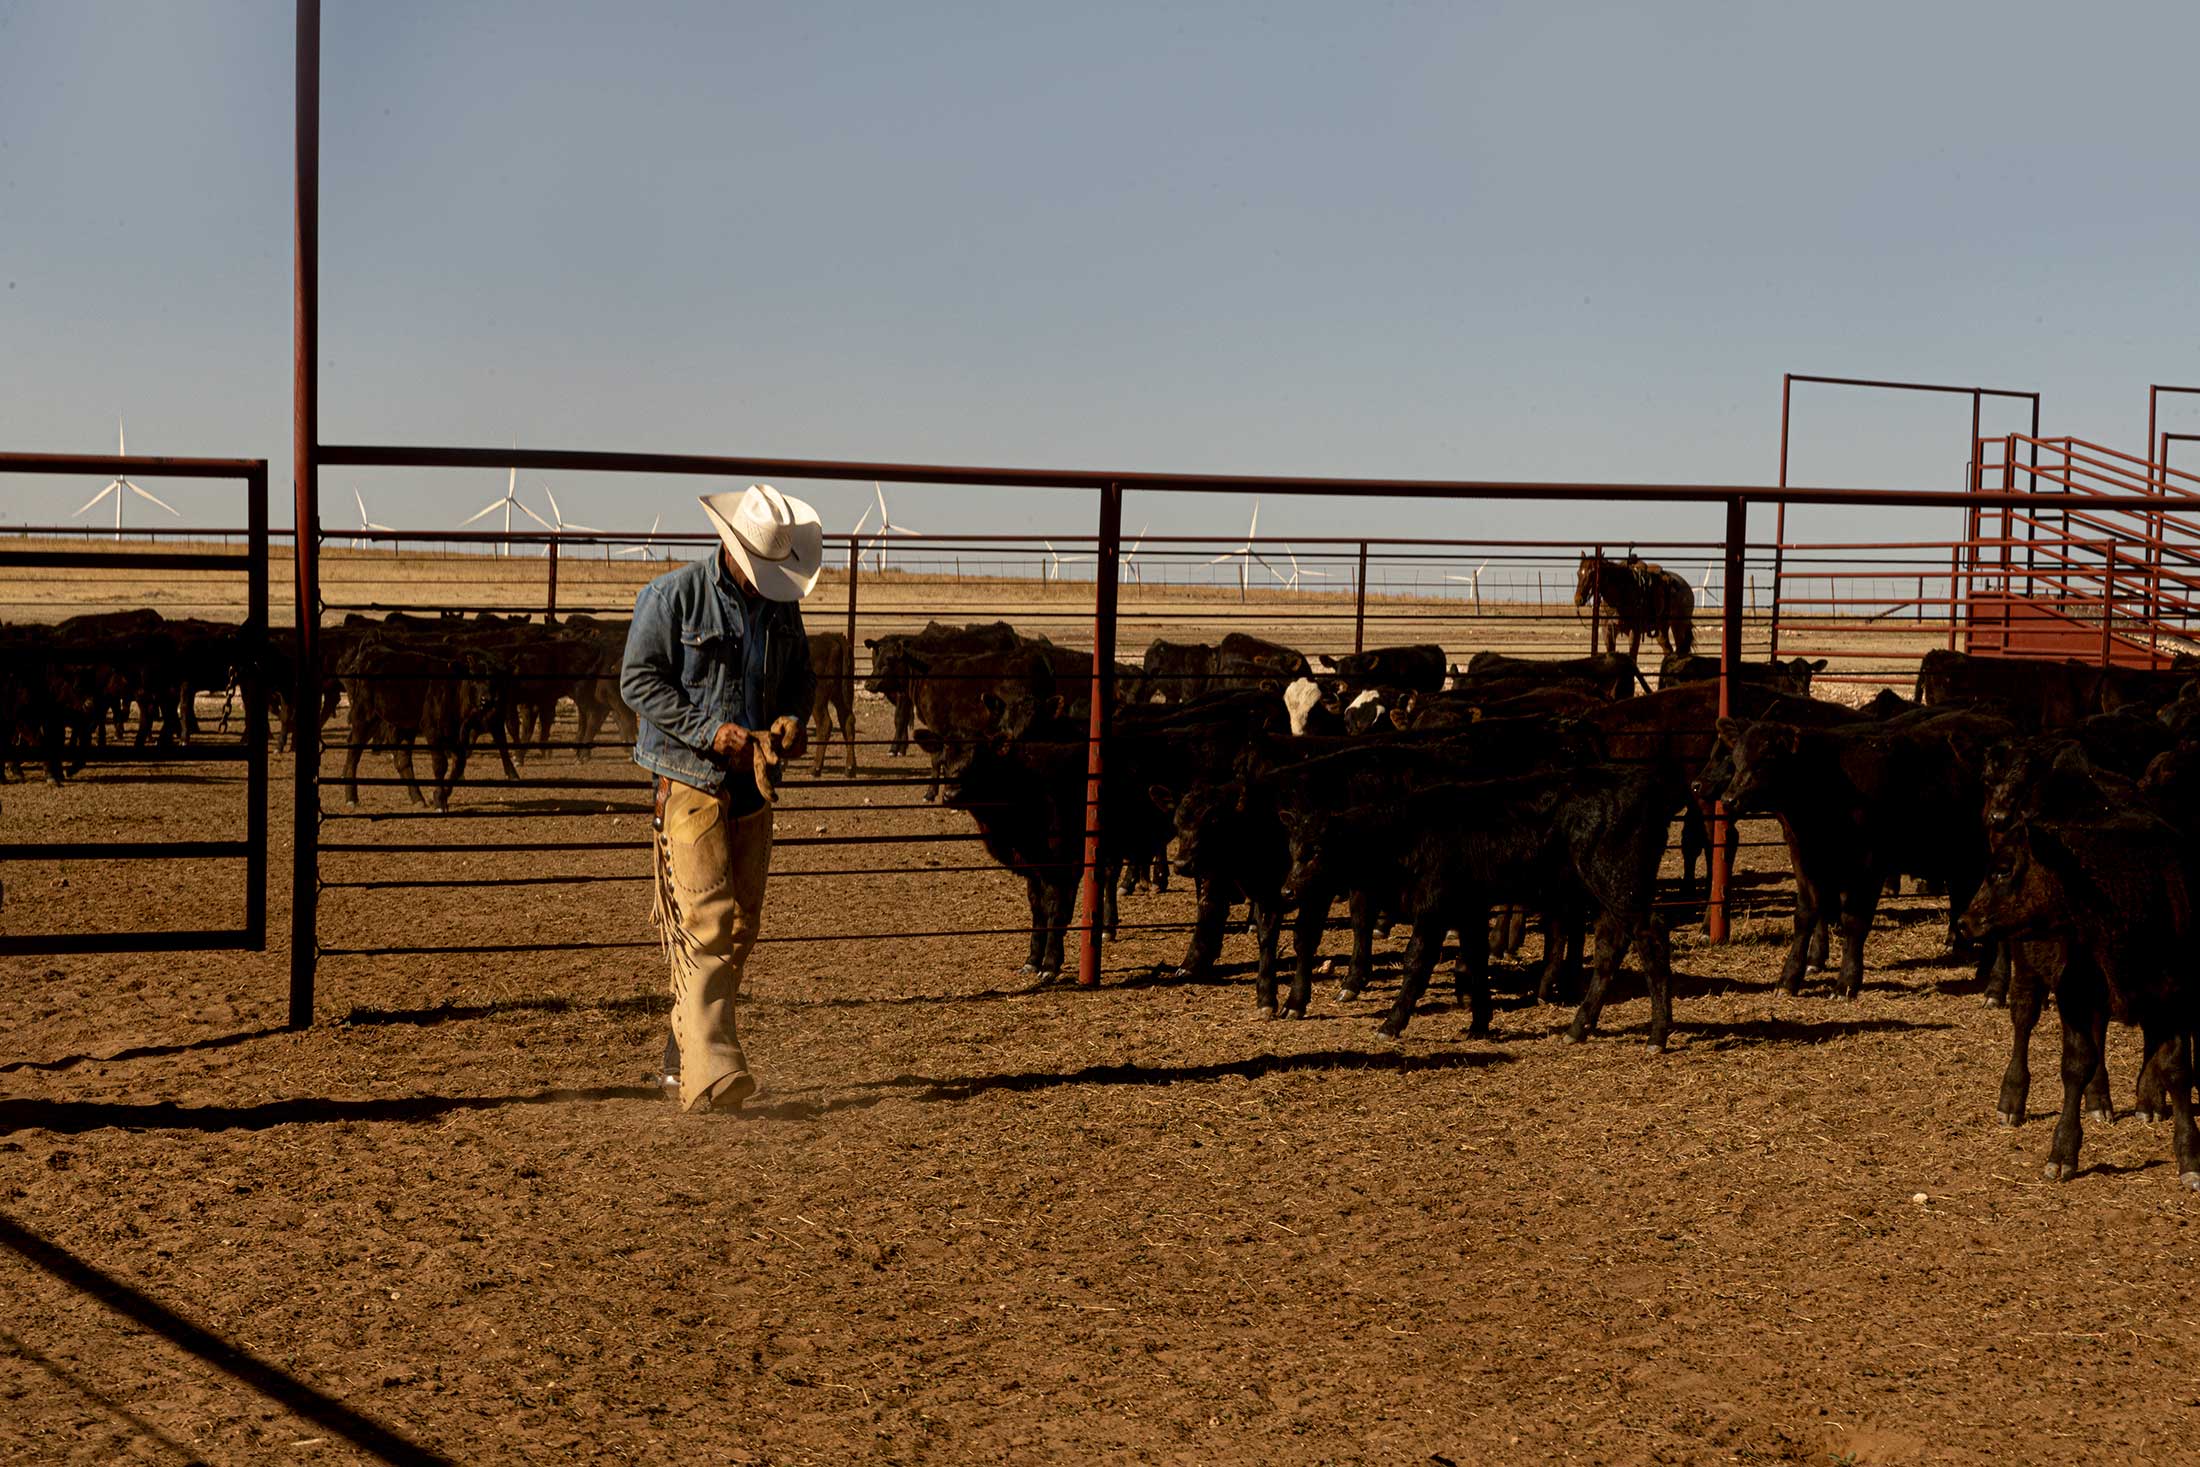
(305, 866)
(550, 615)
(255, 708)
(1730, 661)
(1359, 603)
(1596, 599)
(1780, 520)
(853, 552)
(1106, 576)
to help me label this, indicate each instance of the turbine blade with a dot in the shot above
(489, 509)
(1254, 529)
(862, 522)
(102, 494)
(356, 499)
(538, 519)
(554, 511)
(149, 494)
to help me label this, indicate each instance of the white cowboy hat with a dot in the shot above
(777, 541)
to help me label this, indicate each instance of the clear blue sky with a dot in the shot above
(1499, 240)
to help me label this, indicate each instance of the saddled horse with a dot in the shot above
(1640, 598)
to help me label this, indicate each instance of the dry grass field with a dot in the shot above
(970, 1222)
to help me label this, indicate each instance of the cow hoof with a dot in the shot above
(2010, 1117)
(2152, 1117)
(1291, 1011)
(1573, 1036)
(1028, 969)
(1265, 1011)
(1347, 995)
(1391, 1028)
(2056, 1171)
(1994, 1001)
(2101, 1117)
(1047, 975)
(2190, 1181)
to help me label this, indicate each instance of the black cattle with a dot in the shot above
(832, 661)
(964, 697)
(2035, 694)
(401, 694)
(1026, 792)
(1592, 836)
(1177, 672)
(1611, 674)
(1791, 676)
(1243, 661)
(2115, 890)
(1861, 804)
(1384, 669)
(890, 655)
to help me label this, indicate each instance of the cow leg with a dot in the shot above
(1306, 946)
(2098, 1107)
(2151, 1099)
(1421, 954)
(823, 736)
(1657, 971)
(1695, 841)
(848, 734)
(1107, 899)
(1998, 978)
(459, 756)
(1035, 894)
(1821, 941)
(2075, 1004)
(1858, 906)
(401, 756)
(1267, 915)
(905, 720)
(1470, 977)
(1360, 907)
(2171, 1060)
(1062, 902)
(932, 791)
(2024, 1012)
(1608, 932)
(356, 745)
(1797, 960)
(504, 751)
(1207, 924)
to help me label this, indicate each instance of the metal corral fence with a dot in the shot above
(1870, 610)
(41, 579)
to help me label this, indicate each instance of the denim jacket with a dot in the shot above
(696, 658)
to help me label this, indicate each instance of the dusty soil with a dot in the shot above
(974, 1223)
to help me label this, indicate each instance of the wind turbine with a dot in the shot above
(364, 522)
(1246, 555)
(564, 526)
(1474, 581)
(1703, 591)
(1129, 560)
(886, 526)
(1312, 575)
(118, 485)
(506, 501)
(1057, 560)
(644, 550)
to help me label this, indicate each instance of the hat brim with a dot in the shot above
(790, 579)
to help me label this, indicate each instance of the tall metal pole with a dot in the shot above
(1106, 576)
(1730, 662)
(1359, 603)
(305, 869)
(1596, 600)
(853, 552)
(255, 709)
(550, 612)
(1780, 515)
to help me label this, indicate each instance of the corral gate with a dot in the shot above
(251, 931)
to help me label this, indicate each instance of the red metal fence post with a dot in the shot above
(255, 709)
(1780, 516)
(1107, 576)
(853, 551)
(1730, 659)
(550, 613)
(1359, 604)
(1596, 598)
(305, 869)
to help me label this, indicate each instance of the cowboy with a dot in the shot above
(717, 670)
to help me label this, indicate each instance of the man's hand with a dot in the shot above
(791, 735)
(731, 740)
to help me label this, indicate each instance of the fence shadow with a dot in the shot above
(70, 1117)
(142, 1051)
(371, 1437)
(1717, 1035)
(937, 1089)
(452, 1013)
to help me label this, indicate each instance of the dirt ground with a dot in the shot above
(969, 1222)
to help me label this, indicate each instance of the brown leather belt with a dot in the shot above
(663, 793)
